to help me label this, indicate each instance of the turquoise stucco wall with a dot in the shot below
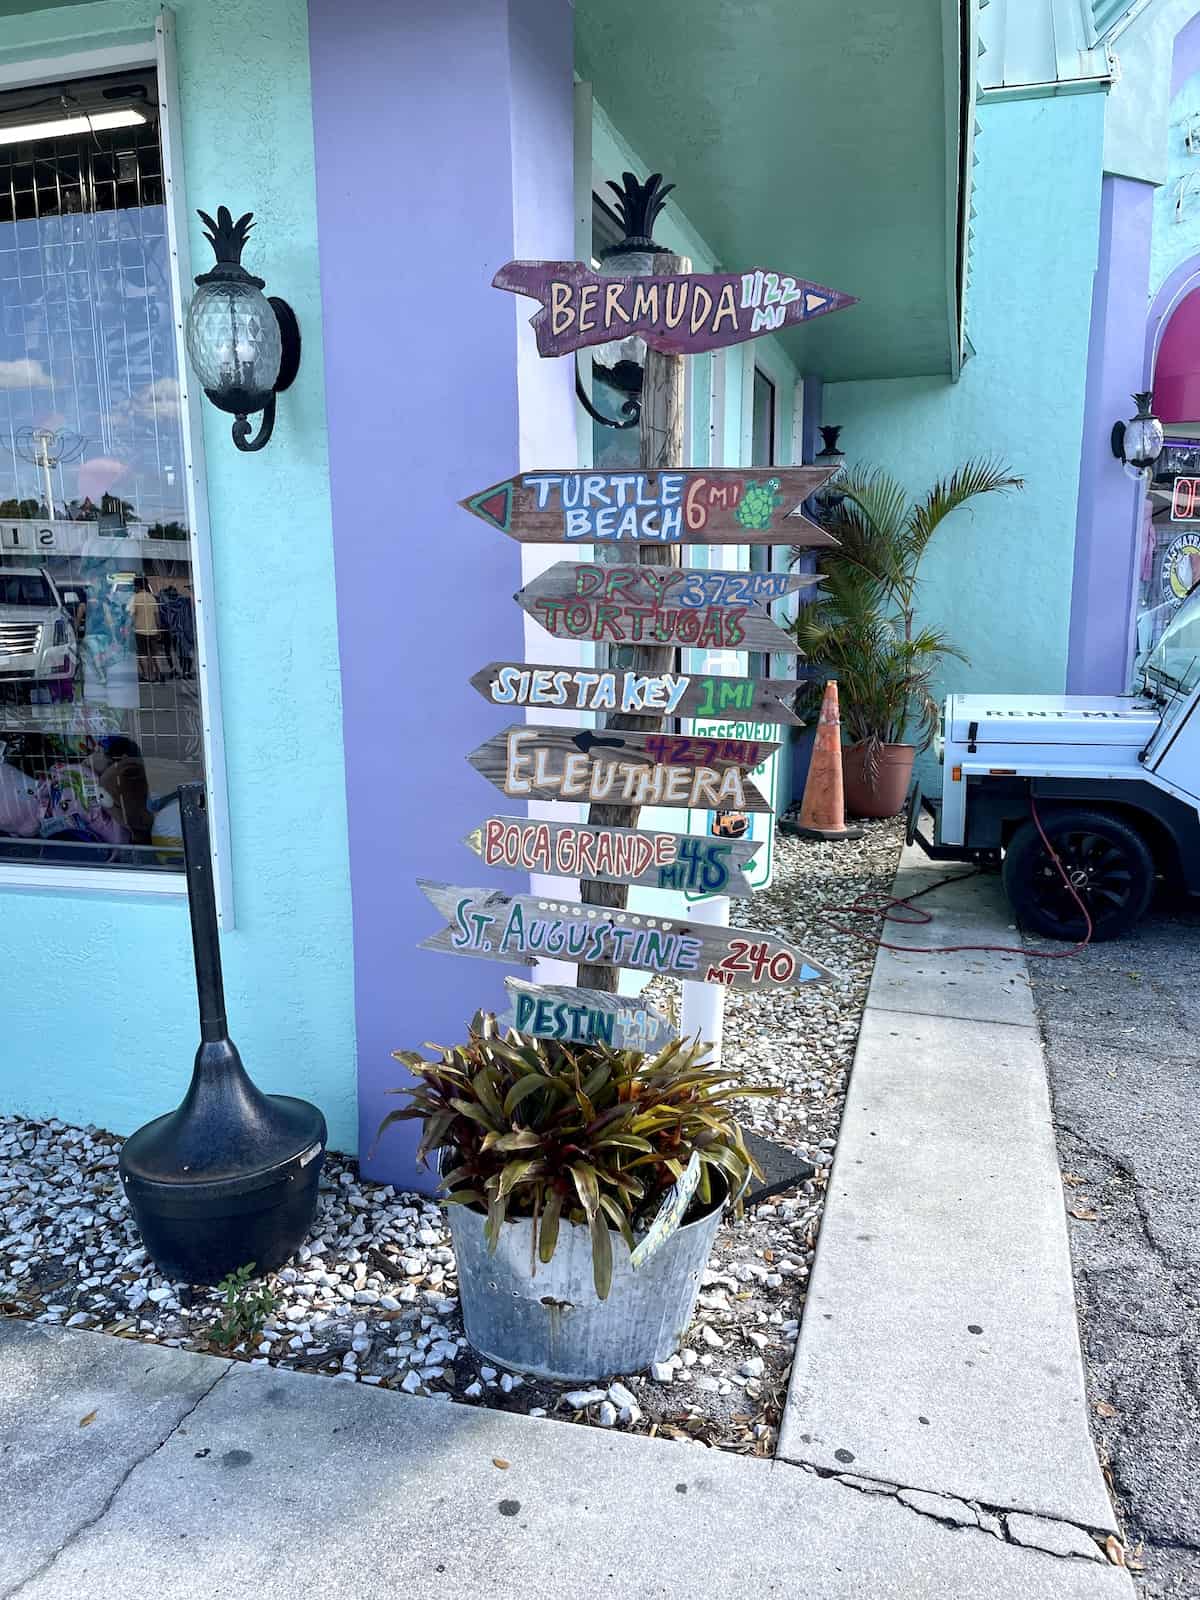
(999, 577)
(1176, 239)
(97, 1006)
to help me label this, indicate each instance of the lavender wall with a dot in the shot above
(1110, 495)
(443, 139)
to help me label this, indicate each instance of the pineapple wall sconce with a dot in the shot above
(244, 345)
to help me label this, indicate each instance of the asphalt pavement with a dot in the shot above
(1121, 1026)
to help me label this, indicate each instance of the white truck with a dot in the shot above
(1115, 780)
(38, 647)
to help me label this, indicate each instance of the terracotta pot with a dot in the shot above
(884, 797)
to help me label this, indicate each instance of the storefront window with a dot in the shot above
(99, 693)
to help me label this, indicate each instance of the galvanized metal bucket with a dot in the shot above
(550, 1322)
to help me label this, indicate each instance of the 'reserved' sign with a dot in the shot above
(714, 505)
(677, 313)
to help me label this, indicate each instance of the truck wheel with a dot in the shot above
(1107, 861)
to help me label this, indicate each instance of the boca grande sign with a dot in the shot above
(677, 313)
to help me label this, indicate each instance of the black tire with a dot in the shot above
(1109, 862)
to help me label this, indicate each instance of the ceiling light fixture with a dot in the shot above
(60, 127)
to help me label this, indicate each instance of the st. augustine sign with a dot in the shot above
(711, 505)
(524, 928)
(680, 314)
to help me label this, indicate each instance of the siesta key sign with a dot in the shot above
(684, 313)
(664, 694)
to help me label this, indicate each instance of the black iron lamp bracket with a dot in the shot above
(631, 410)
(289, 365)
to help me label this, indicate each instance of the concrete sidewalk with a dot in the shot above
(935, 1443)
(939, 1352)
(200, 1477)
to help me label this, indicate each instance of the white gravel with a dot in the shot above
(372, 1295)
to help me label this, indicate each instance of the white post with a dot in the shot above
(703, 1008)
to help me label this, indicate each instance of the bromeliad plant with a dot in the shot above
(579, 1133)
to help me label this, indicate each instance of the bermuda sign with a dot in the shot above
(523, 928)
(716, 505)
(679, 314)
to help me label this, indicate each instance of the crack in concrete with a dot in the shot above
(991, 1520)
(90, 1522)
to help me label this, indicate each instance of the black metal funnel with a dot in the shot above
(230, 1177)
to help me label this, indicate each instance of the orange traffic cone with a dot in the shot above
(823, 809)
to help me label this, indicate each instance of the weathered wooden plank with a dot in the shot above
(585, 1016)
(518, 929)
(559, 688)
(686, 627)
(710, 505)
(697, 864)
(622, 768)
(669, 588)
(676, 313)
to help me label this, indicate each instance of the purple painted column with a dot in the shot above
(443, 137)
(1110, 497)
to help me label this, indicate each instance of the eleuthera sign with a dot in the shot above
(636, 769)
(713, 505)
(680, 314)
(520, 929)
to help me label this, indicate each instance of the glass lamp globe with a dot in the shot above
(1143, 439)
(235, 345)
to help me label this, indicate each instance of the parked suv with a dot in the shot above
(38, 647)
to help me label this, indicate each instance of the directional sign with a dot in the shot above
(633, 769)
(585, 1016)
(615, 855)
(684, 588)
(719, 627)
(518, 929)
(711, 505)
(558, 688)
(681, 313)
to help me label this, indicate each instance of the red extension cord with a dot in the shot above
(885, 907)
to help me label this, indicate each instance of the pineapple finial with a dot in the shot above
(228, 240)
(638, 207)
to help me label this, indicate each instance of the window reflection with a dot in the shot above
(99, 694)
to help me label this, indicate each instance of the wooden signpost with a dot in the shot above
(533, 762)
(713, 505)
(681, 313)
(585, 1016)
(521, 928)
(614, 855)
(651, 607)
(711, 627)
(664, 694)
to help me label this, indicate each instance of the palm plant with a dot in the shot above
(862, 625)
